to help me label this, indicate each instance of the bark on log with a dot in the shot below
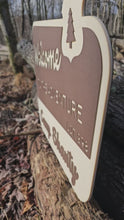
(109, 185)
(54, 194)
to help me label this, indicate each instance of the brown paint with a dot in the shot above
(70, 32)
(79, 81)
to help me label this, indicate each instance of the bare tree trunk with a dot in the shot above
(92, 6)
(23, 17)
(45, 9)
(28, 9)
(38, 3)
(52, 9)
(9, 33)
(121, 17)
(98, 8)
(109, 15)
(13, 21)
(29, 12)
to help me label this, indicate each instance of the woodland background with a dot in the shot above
(19, 115)
(18, 16)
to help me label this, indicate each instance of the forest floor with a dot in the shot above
(17, 114)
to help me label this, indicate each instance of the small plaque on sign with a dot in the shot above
(73, 73)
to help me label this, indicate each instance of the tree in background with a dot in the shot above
(17, 17)
(23, 17)
(8, 30)
(110, 12)
(29, 11)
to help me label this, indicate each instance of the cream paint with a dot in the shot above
(85, 167)
(76, 8)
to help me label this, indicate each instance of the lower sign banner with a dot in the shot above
(73, 73)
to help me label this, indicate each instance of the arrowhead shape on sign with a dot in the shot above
(73, 73)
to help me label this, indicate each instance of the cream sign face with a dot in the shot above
(73, 71)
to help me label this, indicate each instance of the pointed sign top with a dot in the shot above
(77, 9)
(74, 10)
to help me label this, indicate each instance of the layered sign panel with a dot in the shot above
(73, 72)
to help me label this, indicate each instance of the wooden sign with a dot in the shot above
(73, 71)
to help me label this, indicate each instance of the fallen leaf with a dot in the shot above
(16, 138)
(27, 206)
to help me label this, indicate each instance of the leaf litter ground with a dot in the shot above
(17, 114)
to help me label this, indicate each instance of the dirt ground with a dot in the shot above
(17, 115)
